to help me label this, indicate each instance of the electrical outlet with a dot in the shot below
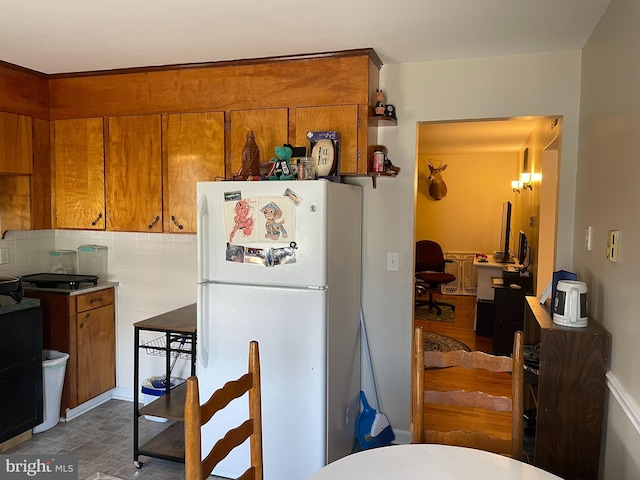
(4, 256)
(613, 244)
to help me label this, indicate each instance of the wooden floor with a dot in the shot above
(496, 424)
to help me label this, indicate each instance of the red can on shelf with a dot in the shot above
(378, 161)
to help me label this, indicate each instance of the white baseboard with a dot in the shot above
(122, 394)
(628, 404)
(72, 413)
(403, 437)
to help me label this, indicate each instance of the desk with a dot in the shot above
(435, 462)
(487, 270)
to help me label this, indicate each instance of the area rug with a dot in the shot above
(422, 312)
(102, 476)
(435, 342)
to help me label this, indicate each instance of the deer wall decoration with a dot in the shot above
(437, 187)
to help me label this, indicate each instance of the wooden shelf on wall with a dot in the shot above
(374, 176)
(382, 121)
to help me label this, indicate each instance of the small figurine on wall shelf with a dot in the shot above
(390, 167)
(390, 111)
(380, 105)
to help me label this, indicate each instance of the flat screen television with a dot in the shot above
(523, 248)
(504, 256)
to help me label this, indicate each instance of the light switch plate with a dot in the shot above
(4, 256)
(392, 262)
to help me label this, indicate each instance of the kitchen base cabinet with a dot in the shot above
(21, 406)
(82, 325)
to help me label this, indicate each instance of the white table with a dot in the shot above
(429, 461)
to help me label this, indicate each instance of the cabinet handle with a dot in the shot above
(173, 219)
(84, 320)
(94, 223)
(99, 299)
(153, 224)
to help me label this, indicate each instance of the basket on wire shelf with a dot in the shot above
(179, 347)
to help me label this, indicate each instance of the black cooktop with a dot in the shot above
(53, 280)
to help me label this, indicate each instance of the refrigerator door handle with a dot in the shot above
(202, 330)
(203, 237)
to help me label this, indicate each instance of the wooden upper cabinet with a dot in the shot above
(133, 172)
(193, 149)
(78, 158)
(16, 144)
(270, 128)
(345, 119)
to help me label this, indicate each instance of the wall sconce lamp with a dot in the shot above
(516, 185)
(526, 181)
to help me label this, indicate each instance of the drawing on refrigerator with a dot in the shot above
(291, 281)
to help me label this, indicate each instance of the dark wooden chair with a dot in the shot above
(422, 399)
(196, 415)
(430, 273)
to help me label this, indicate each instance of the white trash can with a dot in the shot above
(54, 365)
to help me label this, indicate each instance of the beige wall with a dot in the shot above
(480, 88)
(468, 218)
(607, 199)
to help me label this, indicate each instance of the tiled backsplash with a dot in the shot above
(156, 273)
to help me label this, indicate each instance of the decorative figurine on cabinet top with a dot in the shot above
(250, 158)
(282, 164)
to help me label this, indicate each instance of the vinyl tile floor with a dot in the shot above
(103, 440)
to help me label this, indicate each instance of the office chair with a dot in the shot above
(430, 274)
(469, 433)
(196, 415)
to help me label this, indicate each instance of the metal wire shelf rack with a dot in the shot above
(179, 345)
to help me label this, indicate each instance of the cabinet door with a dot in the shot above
(16, 144)
(341, 118)
(270, 128)
(15, 203)
(78, 155)
(96, 339)
(133, 172)
(193, 152)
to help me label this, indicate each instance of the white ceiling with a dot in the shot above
(56, 36)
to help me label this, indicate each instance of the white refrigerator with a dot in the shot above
(280, 262)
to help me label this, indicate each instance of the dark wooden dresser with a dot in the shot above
(569, 393)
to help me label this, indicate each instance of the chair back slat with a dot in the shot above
(225, 395)
(477, 440)
(464, 359)
(462, 398)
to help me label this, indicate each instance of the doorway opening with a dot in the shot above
(488, 162)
